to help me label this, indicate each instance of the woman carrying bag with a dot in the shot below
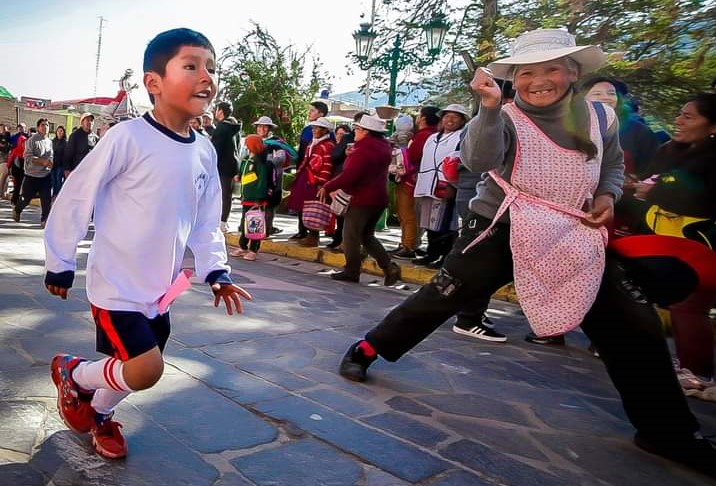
(364, 178)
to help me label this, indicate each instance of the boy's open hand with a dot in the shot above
(58, 291)
(230, 294)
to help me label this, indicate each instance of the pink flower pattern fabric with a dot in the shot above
(558, 260)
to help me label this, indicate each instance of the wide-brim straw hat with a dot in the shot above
(372, 123)
(455, 108)
(265, 120)
(543, 45)
(322, 122)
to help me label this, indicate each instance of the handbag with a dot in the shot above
(255, 224)
(316, 215)
(341, 201)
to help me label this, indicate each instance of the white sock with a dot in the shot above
(105, 400)
(107, 373)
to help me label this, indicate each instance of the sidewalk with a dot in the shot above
(390, 238)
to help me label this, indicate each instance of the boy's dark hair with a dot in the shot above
(166, 45)
(359, 115)
(431, 115)
(321, 107)
(225, 108)
(40, 121)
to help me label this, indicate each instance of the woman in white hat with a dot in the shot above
(312, 173)
(555, 162)
(364, 178)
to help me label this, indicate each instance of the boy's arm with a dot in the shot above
(206, 240)
(71, 212)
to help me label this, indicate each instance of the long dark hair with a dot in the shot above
(577, 125)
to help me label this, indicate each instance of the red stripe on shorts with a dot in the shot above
(105, 322)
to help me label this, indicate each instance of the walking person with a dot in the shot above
(16, 161)
(364, 178)
(80, 143)
(4, 152)
(224, 139)
(57, 174)
(154, 186)
(547, 159)
(38, 164)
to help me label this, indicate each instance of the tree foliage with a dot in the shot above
(663, 49)
(260, 77)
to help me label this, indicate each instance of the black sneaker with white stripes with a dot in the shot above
(480, 331)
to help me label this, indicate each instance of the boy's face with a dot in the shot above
(188, 84)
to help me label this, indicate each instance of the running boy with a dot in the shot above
(154, 189)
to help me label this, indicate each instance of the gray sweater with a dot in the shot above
(37, 147)
(490, 143)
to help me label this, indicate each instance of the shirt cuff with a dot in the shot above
(62, 279)
(220, 277)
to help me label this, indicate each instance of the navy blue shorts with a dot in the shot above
(127, 334)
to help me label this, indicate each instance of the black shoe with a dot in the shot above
(437, 264)
(15, 216)
(482, 331)
(275, 231)
(298, 236)
(553, 340)
(344, 277)
(420, 253)
(423, 261)
(392, 275)
(354, 365)
(404, 254)
(334, 244)
(696, 453)
(396, 250)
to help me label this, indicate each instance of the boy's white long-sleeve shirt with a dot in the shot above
(153, 194)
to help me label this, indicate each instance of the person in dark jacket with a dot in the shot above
(364, 177)
(4, 153)
(224, 140)
(80, 143)
(57, 174)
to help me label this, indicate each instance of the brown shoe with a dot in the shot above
(310, 241)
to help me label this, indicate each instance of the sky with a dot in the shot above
(49, 48)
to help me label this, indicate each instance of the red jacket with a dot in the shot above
(318, 162)
(365, 173)
(415, 152)
(18, 151)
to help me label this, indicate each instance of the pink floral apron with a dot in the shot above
(558, 260)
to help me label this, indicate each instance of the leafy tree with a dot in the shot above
(663, 49)
(260, 77)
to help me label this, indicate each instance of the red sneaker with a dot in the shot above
(74, 407)
(107, 439)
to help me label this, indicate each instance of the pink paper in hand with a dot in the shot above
(180, 284)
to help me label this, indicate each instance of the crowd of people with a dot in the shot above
(556, 184)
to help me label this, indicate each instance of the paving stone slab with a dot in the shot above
(201, 418)
(276, 375)
(341, 402)
(462, 478)
(471, 405)
(305, 461)
(407, 428)
(389, 454)
(408, 405)
(233, 479)
(20, 474)
(497, 465)
(234, 383)
(20, 423)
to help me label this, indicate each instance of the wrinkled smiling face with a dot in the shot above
(544, 83)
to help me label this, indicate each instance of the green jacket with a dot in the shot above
(256, 179)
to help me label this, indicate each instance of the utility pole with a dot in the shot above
(102, 20)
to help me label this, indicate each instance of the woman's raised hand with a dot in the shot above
(483, 83)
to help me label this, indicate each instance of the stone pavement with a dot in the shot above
(255, 399)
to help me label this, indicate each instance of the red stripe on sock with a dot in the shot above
(368, 350)
(108, 375)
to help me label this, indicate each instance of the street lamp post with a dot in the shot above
(396, 59)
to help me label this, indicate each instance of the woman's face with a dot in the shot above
(340, 133)
(544, 83)
(60, 132)
(318, 132)
(604, 92)
(360, 133)
(451, 121)
(692, 127)
(263, 130)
